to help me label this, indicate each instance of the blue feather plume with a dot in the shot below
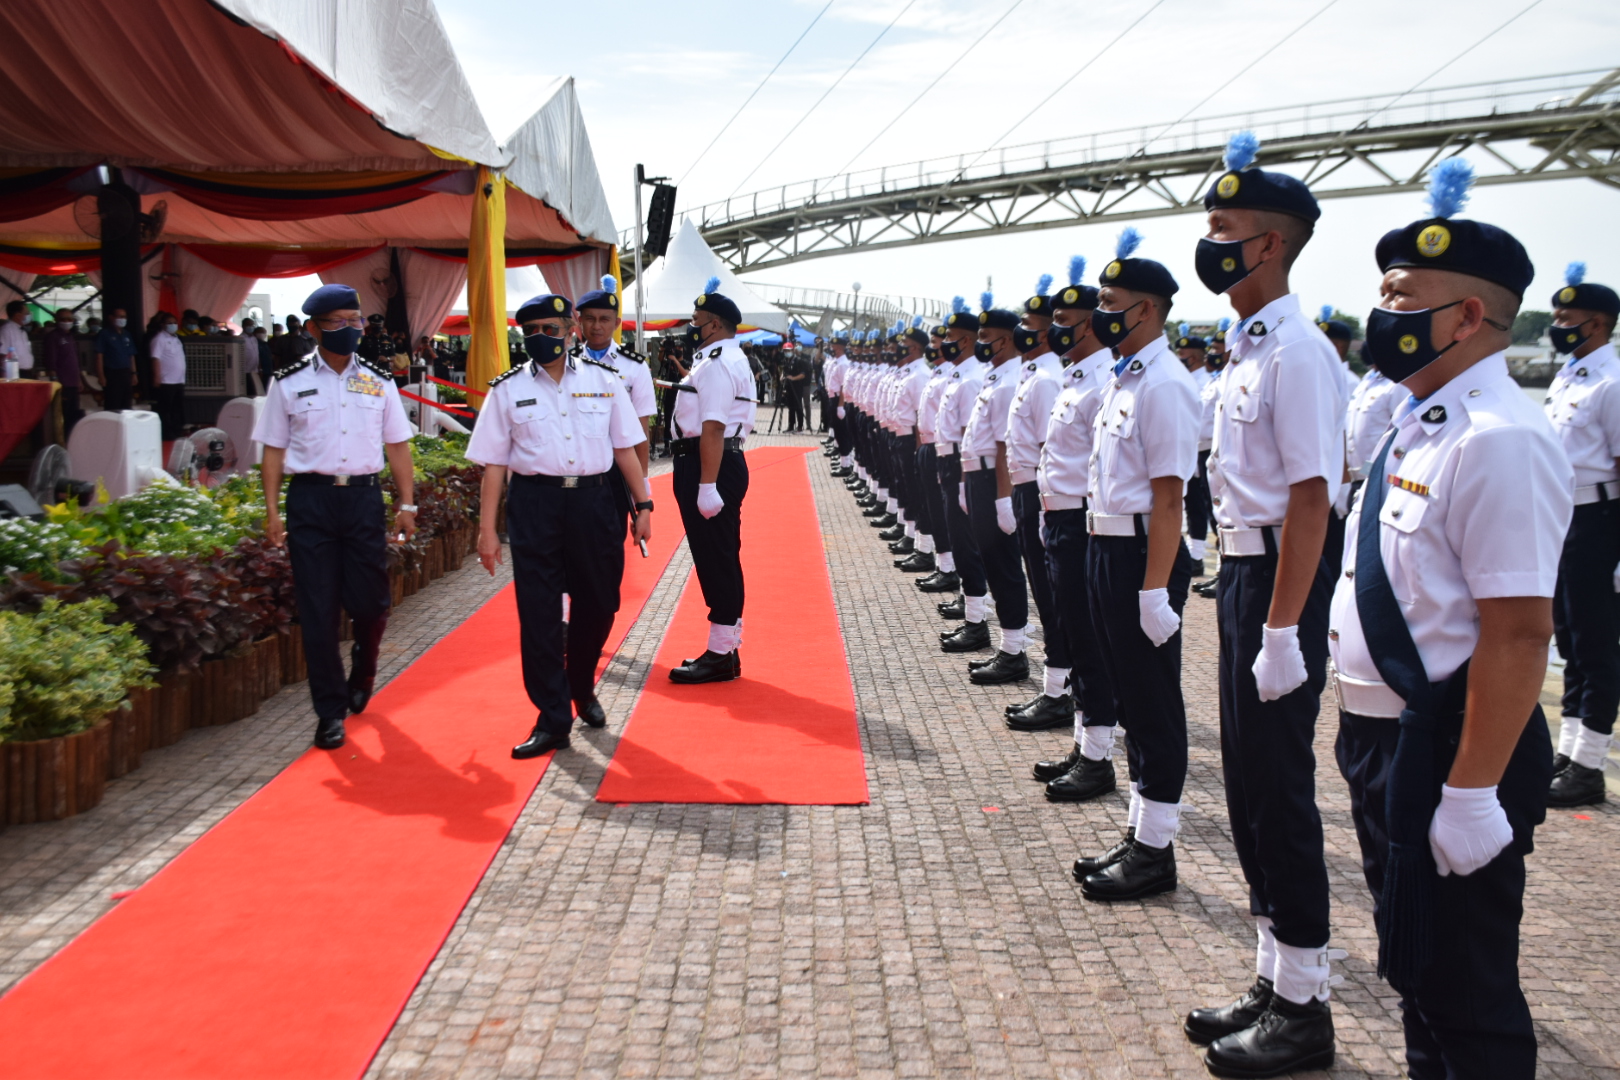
(1129, 240)
(1224, 325)
(987, 300)
(610, 283)
(1449, 182)
(916, 322)
(712, 285)
(1241, 150)
(1574, 273)
(1182, 329)
(1077, 269)
(958, 305)
(1326, 314)
(1043, 284)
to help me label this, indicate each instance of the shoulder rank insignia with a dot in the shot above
(291, 369)
(603, 364)
(630, 354)
(1257, 328)
(1435, 414)
(375, 366)
(1136, 365)
(577, 350)
(714, 352)
(1409, 485)
(1030, 366)
(503, 376)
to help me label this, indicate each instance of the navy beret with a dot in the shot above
(1461, 246)
(718, 304)
(1082, 297)
(606, 298)
(1190, 341)
(549, 306)
(918, 335)
(1140, 275)
(938, 330)
(998, 319)
(962, 320)
(1337, 330)
(1245, 188)
(329, 298)
(1040, 303)
(1585, 295)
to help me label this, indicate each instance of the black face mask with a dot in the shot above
(1215, 360)
(1566, 339)
(1220, 263)
(694, 336)
(1109, 326)
(951, 350)
(1060, 339)
(543, 348)
(1400, 343)
(1027, 341)
(984, 350)
(342, 341)
(930, 354)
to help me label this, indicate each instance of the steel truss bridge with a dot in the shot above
(1542, 128)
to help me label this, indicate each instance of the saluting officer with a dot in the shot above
(597, 313)
(1584, 407)
(557, 424)
(1440, 624)
(1276, 464)
(955, 404)
(1145, 447)
(713, 415)
(329, 420)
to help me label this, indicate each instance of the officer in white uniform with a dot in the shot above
(1584, 407)
(597, 313)
(329, 421)
(714, 414)
(1087, 772)
(944, 578)
(1215, 353)
(1340, 336)
(1440, 623)
(833, 373)
(1275, 466)
(1190, 349)
(955, 405)
(557, 425)
(913, 379)
(1144, 449)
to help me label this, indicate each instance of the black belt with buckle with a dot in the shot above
(326, 480)
(562, 481)
(680, 447)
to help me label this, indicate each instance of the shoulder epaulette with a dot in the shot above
(503, 376)
(375, 366)
(291, 369)
(631, 354)
(603, 364)
(577, 350)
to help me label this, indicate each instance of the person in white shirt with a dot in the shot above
(329, 421)
(944, 578)
(955, 405)
(1439, 631)
(1340, 336)
(597, 315)
(1276, 462)
(1144, 449)
(1584, 407)
(169, 369)
(14, 343)
(915, 545)
(1195, 503)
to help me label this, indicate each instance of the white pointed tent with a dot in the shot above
(675, 280)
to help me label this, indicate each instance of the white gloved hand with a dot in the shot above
(840, 412)
(1280, 667)
(1341, 501)
(1469, 829)
(709, 501)
(1041, 529)
(1617, 579)
(1159, 623)
(961, 497)
(1005, 520)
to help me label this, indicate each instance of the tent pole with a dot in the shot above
(641, 345)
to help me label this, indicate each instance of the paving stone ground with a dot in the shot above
(934, 932)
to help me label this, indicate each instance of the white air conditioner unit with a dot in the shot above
(237, 418)
(122, 450)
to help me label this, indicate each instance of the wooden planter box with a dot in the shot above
(293, 667)
(396, 586)
(435, 559)
(53, 779)
(226, 688)
(455, 550)
(131, 733)
(268, 653)
(171, 713)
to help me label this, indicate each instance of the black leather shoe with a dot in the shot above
(329, 734)
(1560, 763)
(1204, 1026)
(1023, 706)
(1047, 771)
(1049, 714)
(360, 696)
(903, 546)
(883, 522)
(1005, 668)
(891, 534)
(1577, 786)
(1206, 589)
(540, 742)
(939, 581)
(1287, 1038)
(591, 713)
(1085, 867)
(953, 609)
(710, 667)
(1144, 871)
(873, 508)
(919, 562)
(969, 637)
(841, 471)
(1086, 781)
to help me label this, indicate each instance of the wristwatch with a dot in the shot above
(404, 508)
(640, 506)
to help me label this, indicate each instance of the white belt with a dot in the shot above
(1591, 493)
(1241, 542)
(1022, 476)
(1374, 699)
(1064, 502)
(976, 462)
(927, 437)
(1112, 524)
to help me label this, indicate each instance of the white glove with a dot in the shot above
(1004, 516)
(1280, 667)
(1341, 501)
(1617, 579)
(840, 412)
(961, 497)
(1159, 623)
(709, 501)
(1041, 528)
(1469, 829)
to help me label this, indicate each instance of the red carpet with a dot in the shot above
(783, 733)
(285, 942)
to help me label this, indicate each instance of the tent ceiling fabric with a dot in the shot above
(676, 280)
(552, 160)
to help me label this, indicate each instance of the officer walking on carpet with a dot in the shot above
(597, 314)
(329, 421)
(1439, 629)
(713, 415)
(556, 426)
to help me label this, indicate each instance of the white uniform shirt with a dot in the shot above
(725, 393)
(1372, 403)
(1492, 502)
(14, 345)
(956, 403)
(911, 382)
(637, 378)
(1280, 417)
(1209, 394)
(331, 423)
(170, 355)
(1584, 407)
(987, 422)
(832, 374)
(1065, 468)
(933, 393)
(1146, 428)
(534, 424)
(1031, 410)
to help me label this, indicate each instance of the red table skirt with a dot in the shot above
(22, 407)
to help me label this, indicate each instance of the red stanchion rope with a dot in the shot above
(457, 410)
(456, 386)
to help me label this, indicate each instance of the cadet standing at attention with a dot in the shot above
(557, 425)
(955, 403)
(1440, 624)
(1190, 348)
(329, 420)
(713, 415)
(1584, 407)
(1276, 463)
(1144, 449)
(1340, 336)
(598, 315)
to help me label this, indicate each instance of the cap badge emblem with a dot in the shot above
(1566, 294)
(1433, 241)
(1113, 270)
(1070, 295)
(1227, 186)
(557, 303)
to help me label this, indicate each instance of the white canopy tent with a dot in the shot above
(673, 282)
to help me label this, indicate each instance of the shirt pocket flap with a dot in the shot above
(1403, 510)
(1243, 403)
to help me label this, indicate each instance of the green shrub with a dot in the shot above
(35, 547)
(65, 668)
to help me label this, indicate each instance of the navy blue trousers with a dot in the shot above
(1067, 544)
(1266, 756)
(564, 540)
(1195, 501)
(339, 550)
(1027, 511)
(1146, 678)
(716, 543)
(932, 496)
(1586, 615)
(969, 566)
(1002, 567)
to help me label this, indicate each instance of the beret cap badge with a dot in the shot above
(1070, 295)
(1566, 294)
(1113, 270)
(1228, 185)
(557, 303)
(1433, 241)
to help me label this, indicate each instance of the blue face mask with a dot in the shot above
(1400, 343)
(1566, 339)
(342, 341)
(543, 348)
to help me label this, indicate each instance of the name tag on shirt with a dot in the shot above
(524, 403)
(306, 393)
(363, 386)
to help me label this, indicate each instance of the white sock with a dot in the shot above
(722, 638)
(1012, 641)
(1567, 735)
(1133, 816)
(925, 543)
(911, 530)
(1057, 680)
(1097, 744)
(947, 562)
(894, 506)
(1265, 953)
(1303, 974)
(1158, 824)
(847, 461)
(1197, 548)
(973, 607)
(1591, 747)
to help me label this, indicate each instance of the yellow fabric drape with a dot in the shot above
(613, 268)
(486, 281)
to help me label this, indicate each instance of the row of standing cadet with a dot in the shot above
(1076, 424)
